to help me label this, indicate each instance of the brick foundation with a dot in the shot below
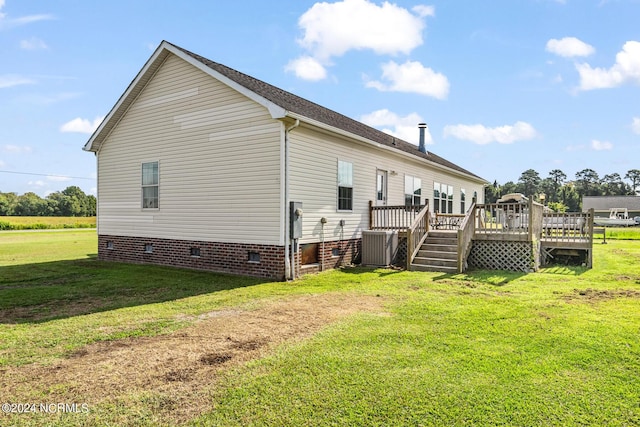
(234, 258)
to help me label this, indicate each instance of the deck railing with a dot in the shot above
(393, 217)
(498, 221)
(567, 227)
(416, 234)
(446, 221)
(466, 231)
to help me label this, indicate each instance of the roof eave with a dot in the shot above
(145, 74)
(125, 100)
(378, 145)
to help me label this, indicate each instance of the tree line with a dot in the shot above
(71, 201)
(563, 195)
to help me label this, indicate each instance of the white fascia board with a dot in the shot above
(276, 111)
(116, 112)
(391, 150)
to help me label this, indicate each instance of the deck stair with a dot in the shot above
(439, 252)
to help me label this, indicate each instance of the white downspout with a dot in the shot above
(288, 263)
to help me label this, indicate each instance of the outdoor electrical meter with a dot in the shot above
(295, 219)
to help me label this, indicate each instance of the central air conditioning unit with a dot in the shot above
(379, 247)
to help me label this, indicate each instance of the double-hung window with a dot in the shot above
(345, 186)
(442, 198)
(150, 185)
(412, 191)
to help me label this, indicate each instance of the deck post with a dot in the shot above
(409, 249)
(590, 215)
(370, 214)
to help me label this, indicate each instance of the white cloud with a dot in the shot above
(11, 80)
(7, 23)
(58, 178)
(16, 149)
(635, 125)
(81, 125)
(331, 29)
(424, 11)
(405, 128)
(601, 145)
(307, 68)
(38, 183)
(33, 43)
(480, 134)
(569, 47)
(626, 69)
(411, 77)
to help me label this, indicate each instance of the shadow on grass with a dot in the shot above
(489, 277)
(32, 293)
(380, 271)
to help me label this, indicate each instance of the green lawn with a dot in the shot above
(558, 347)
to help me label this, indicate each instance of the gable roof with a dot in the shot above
(279, 102)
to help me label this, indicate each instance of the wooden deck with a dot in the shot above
(500, 229)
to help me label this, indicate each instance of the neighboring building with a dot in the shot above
(197, 164)
(603, 204)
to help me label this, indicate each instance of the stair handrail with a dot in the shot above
(417, 233)
(466, 231)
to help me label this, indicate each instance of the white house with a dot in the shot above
(198, 163)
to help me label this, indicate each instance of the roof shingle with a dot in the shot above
(311, 110)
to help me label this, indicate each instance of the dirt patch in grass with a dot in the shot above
(180, 369)
(50, 310)
(598, 295)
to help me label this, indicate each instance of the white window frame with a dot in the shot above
(439, 201)
(143, 186)
(344, 182)
(413, 190)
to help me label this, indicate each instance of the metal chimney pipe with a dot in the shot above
(421, 147)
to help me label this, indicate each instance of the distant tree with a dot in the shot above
(557, 207)
(612, 185)
(529, 182)
(72, 201)
(492, 192)
(558, 177)
(508, 187)
(548, 188)
(8, 202)
(634, 176)
(570, 198)
(30, 204)
(587, 183)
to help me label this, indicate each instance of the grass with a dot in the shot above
(45, 222)
(558, 347)
(622, 233)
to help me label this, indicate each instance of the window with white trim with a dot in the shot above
(412, 191)
(463, 196)
(345, 186)
(442, 198)
(150, 185)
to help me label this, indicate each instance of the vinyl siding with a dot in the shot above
(219, 163)
(314, 162)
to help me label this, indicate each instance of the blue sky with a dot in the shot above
(504, 86)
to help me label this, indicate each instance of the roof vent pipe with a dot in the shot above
(421, 147)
